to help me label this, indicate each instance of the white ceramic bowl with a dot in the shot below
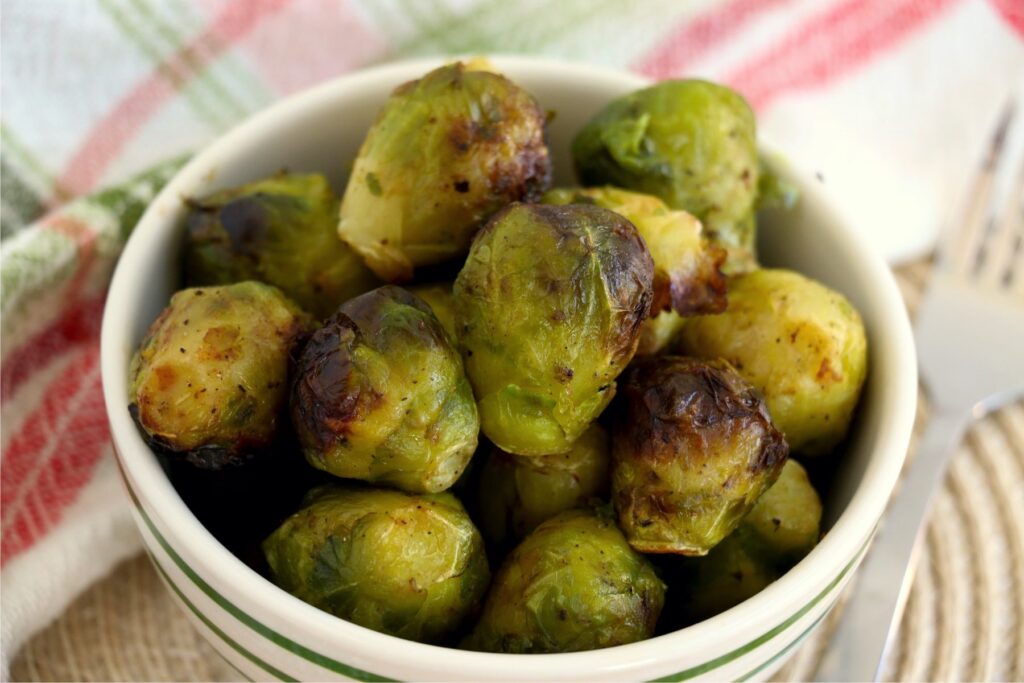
(266, 633)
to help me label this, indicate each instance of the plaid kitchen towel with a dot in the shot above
(890, 99)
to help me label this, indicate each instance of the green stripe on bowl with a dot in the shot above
(268, 633)
(241, 674)
(276, 673)
(796, 641)
(784, 651)
(358, 674)
(768, 635)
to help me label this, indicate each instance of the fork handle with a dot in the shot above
(870, 619)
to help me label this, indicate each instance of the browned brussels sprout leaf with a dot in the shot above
(380, 395)
(687, 278)
(693, 449)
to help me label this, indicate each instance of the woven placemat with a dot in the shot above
(963, 620)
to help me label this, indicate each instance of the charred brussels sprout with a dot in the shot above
(380, 395)
(406, 565)
(692, 450)
(690, 142)
(445, 153)
(210, 380)
(442, 302)
(781, 529)
(548, 308)
(281, 230)
(573, 584)
(801, 344)
(518, 493)
(686, 275)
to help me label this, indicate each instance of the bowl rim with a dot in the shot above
(835, 555)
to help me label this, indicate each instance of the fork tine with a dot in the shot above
(1014, 212)
(1015, 276)
(962, 238)
(1000, 255)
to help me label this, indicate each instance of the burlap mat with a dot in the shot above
(963, 620)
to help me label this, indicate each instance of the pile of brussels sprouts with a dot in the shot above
(456, 369)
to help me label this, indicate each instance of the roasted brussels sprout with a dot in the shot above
(801, 344)
(282, 231)
(724, 578)
(380, 395)
(687, 279)
(774, 191)
(517, 493)
(210, 379)
(785, 524)
(573, 584)
(690, 142)
(445, 153)
(410, 566)
(442, 302)
(548, 309)
(692, 450)
(781, 529)
(686, 275)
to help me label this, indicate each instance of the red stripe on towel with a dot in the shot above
(118, 127)
(698, 35)
(831, 44)
(53, 455)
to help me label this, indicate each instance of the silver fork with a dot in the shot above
(970, 341)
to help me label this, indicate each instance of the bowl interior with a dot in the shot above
(321, 130)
